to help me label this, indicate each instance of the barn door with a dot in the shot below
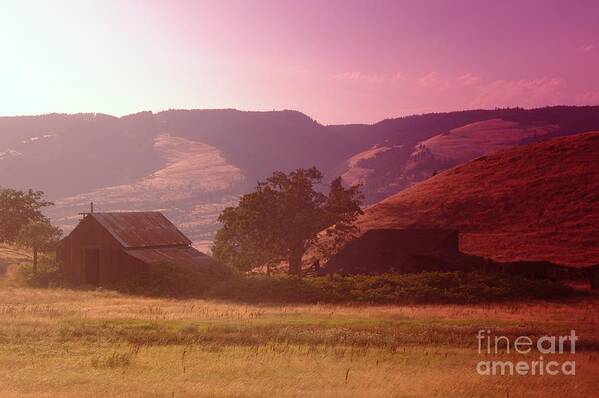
(92, 266)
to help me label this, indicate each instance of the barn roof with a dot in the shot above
(141, 229)
(171, 255)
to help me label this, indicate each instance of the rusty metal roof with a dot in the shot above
(187, 256)
(141, 229)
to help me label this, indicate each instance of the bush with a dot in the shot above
(48, 273)
(276, 289)
(452, 287)
(175, 280)
(217, 282)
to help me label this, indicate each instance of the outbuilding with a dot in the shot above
(107, 248)
(414, 250)
(397, 250)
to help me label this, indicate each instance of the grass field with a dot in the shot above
(66, 343)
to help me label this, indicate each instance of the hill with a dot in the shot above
(535, 202)
(190, 164)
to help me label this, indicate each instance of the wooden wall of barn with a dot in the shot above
(114, 263)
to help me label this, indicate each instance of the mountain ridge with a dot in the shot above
(111, 160)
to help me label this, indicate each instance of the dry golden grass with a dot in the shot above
(63, 343)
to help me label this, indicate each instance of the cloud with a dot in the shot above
(524, 92)
(368, 77)
(349, 76)
(469, 79)
(587, 48)
(433, 80)
(9, 153)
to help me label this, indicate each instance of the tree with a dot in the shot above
(282, 218)
(17, 208)
(39, 236)
(343, 203)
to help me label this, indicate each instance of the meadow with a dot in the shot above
(77, 343)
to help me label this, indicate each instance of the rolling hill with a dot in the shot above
(534, 202)
(191, 164)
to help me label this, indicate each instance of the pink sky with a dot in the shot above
(337, 61)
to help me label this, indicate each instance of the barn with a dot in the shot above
(397, 250)
(380, 251)
(106, 248)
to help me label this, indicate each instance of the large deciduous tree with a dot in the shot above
(282, 217)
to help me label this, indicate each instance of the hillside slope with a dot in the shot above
(535, 202)
(397, 153)
(385, 169)
(66, 155)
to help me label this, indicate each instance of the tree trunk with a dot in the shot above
(35, 260)
(295, 263)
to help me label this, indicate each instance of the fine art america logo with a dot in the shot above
(532, 352)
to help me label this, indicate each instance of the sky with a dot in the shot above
(337, 61)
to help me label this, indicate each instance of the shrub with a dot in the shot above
(279, 289)
(452, 287)
(48, 273)
(175, 280)
(218, 282)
